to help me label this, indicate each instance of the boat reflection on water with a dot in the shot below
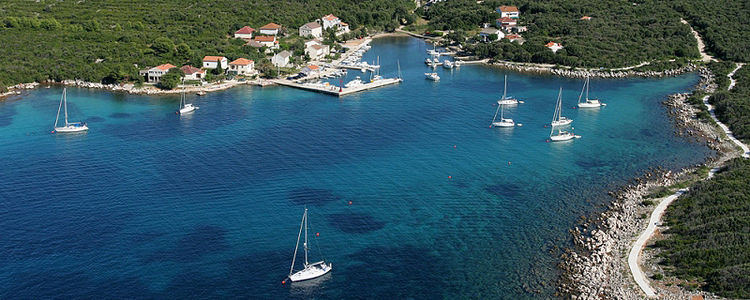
(307, 289)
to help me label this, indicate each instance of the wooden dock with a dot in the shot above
(338, 91)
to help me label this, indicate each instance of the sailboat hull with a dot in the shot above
(504, 123)
(314, 270)
(563, 137)
(509, 101)
(71, 129)
(188, 109)
(562, 122)
(591, 103)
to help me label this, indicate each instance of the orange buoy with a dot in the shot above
(450, 177)
(350, 203)
(283, 282)
(317, 234)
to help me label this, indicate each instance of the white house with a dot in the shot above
(316, 50)
(281, 59)
(487, 32)
(508, 11)
(270, 29)
(155, 73)
(211, 62)
(244, 33)
(312, 29)
(267, 41)
(553, 46)
(193, 73)
(506, 23)
(242, 66)
(330, 21)
(343, 28)
(310, 70)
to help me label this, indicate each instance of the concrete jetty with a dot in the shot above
(338, 91)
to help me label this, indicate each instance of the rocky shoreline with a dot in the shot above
(596, 267)
(593, 73)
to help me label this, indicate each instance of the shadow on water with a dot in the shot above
(203, 240)
(95, 119)
(312, 196)
(504, 189)
(6, 115)
(355, 222)
(53, 284)
(120, 115)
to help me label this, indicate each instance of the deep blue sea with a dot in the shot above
(149, 204)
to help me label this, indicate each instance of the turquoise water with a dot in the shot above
(149, 204)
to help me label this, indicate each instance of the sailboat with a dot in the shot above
(588, 103)
(432, 76)
(507, 100)
(557, 134)
(558, 119)
(503, 122)
(186, 107)
(400, 79)
(310, 271)
(69, 127)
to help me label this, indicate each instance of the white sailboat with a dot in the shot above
(588, 103)
(310, 271)
(557, 134)
(432, 76)
(505, 98)
(503, 122)
(448, 64)
(68, 127)
(558, 119)
(400, 79)
(186, 107)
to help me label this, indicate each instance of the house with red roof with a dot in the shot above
(154, 74)
(514, 37)
(193, 73)
(508, 11)
(267, 41)
(585, 18)
(242, 66)
(244, 33)
(553, 46)
(312, 29)
(506, 23)
(330, 21)
(270, 29)
(212, 62)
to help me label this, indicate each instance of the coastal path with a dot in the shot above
(655, 219)
(701, 46)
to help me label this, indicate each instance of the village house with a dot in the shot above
(505, 23)
(508, 12)
(193, 73)
(487, 32)
(514, 38)
(281, 59)
(553, 46)
(242, 66)
(316, 50)
(312, 29)
(310, 70)
(270, 29)
(519, 29)
(212, 62)
(154, 74)
(267, 41)
(244, 33)
(331, 21)
(254, 44)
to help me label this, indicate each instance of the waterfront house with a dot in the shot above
(343, 28)
(330, 21)
(553, 46)
(505, 23)
(154, 74)
(281, 59)
(242, 66)
(270, 29)
(312, 29)
(310, 70)
(193, 73)
(267, 41)
(316, 50)
(212, 62)
(508, 11)
(487, 32)
(244, 33)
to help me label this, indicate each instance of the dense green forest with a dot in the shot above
(104, 40)
(723, 25)
(620, 33)
(709, 233)
(733, 107)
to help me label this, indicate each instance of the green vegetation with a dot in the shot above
(722, 24)
(109, 41)
(733, 107)
(709, 233)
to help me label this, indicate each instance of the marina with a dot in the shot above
(337, 90)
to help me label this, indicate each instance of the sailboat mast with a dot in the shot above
(502, 110)
(57, 118)
(505, 86)
(582, 90)
(398, 63)
(498, 109)
(291, 269)
(65, 99)
(305, 237)
(588, 82)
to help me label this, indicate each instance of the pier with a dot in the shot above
(336, 90)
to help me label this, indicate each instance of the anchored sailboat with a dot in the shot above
(558, 119)
(432, 76)
(503, 122)
(310, 271)
(69, 127)
(557, 134)
(186, 107)
(588, 103)
(505, 98)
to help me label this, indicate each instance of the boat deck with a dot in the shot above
(337, 91)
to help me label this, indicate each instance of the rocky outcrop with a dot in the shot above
(565, 72)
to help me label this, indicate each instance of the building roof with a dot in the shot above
(254, 43)
(213, 58)
(270, 26)
(241, 62)
(330, 17)
(265, 38)
(343, 24)
(284, 54)
(551, 44)
(188, 70)
(507, 20)
(513, 36)
(506, 8)
(245, 30)
(165, 67)
(313, 67)
(316, 47)
(312, 25)
(490, 30)
(585, 18)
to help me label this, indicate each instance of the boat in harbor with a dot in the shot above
(558, 119)
(185, 107)
(448, 64)
(503, 121)
(507, 99)
(354, 83)
(562, 135)
(201, 93)
(310, 270)
(586, 102)
(432, 76)
(68, 127)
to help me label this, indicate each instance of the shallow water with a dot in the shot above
(149, 204)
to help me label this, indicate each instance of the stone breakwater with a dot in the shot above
(551, 70)
(596, 267)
